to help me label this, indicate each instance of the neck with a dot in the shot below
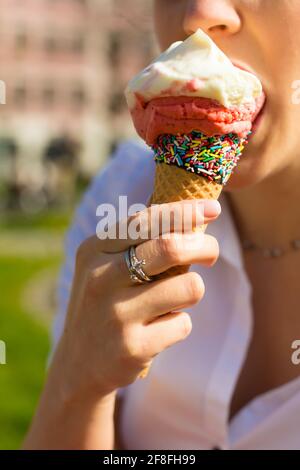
(268, 213)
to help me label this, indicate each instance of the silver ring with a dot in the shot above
(137, 274)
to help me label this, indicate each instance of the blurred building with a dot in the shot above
(65, 64)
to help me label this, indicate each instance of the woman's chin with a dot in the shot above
(248, 173)
(254, 165)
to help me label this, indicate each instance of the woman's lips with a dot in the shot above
(260, 114)
(261, 101)
(243, 66)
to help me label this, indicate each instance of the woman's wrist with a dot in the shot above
(69, 383)
(71, 417)
(86, 424)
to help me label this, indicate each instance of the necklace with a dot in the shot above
(274, 251)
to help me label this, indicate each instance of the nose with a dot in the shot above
(213, 16)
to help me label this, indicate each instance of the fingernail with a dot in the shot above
(212, 208)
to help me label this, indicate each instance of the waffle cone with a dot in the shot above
(173, 184)
(176, 184)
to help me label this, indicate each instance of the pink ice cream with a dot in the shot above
(184, 114)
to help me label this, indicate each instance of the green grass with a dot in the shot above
(27, 339)
(50, 220)
(27, 344)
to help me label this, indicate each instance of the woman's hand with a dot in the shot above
(115, 328)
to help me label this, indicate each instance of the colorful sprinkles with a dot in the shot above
(213, 157)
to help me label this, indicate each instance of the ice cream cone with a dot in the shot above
(173, 183)
(195, 109)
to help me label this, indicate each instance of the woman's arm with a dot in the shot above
(67, 421)
(85, 423)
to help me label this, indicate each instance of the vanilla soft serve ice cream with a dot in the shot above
(195, 67)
